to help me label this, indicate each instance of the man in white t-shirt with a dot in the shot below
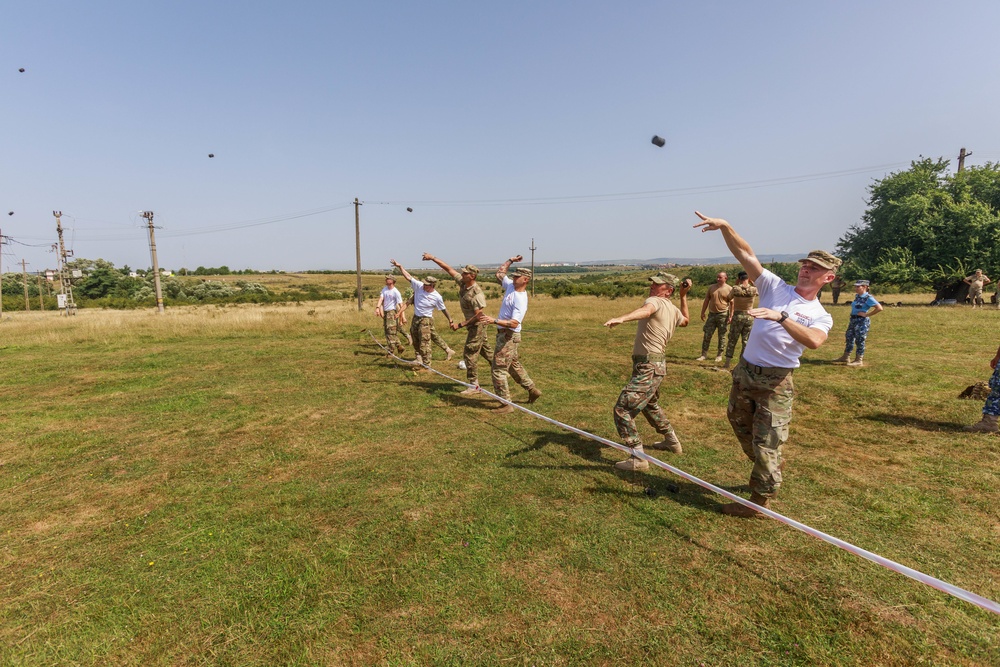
(426, 300)
(788, 320)
(388, 308)
(513, 308)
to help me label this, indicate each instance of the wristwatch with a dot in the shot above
(784, 316)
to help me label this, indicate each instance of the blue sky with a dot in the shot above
(497, 123)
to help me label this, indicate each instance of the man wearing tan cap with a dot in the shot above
(388, 308)
(425, 300)
(513, 308)
(789, 319)
(472, 301)
(657, 318)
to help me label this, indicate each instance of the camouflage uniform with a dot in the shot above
(760, 409)
(642, 394)
(435, 337)
(739, 328)
(421, 329)
(505, 361)
(714, 322)
(477, 342)
(389, 324)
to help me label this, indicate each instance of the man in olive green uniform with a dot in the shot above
(657, 318)
(740, 321)
(473, 301)
(717, 305)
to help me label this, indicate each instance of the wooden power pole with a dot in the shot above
(961, 159)
(24, 279)
(357, 244)
(66, 286)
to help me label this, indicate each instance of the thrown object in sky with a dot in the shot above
(409, 210)
(11, 213)
(21, 70)
(659, 141)
(211, 155)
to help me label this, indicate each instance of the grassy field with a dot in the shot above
(259, 485)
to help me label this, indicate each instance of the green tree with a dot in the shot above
(925, 226)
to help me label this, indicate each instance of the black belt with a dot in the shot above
(765, 370)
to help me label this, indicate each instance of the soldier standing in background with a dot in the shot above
(863, 308)
(976, 282)
(835, 287)
(740, 321)
(717, 304)
(388, 308)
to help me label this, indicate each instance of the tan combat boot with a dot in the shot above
(670, 443)
(859, 360)
(503, 409)
(534, 394)
(736, 509)
(988, 424)
(633, 463)
(846, 356)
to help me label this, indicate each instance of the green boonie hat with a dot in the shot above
(824, 259)
(471, 268)
(522, 272)
(391, 277)
(430, 280)
(664, 278)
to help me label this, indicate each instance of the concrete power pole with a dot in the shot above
(66, 287)
(41, 297)
(532, 249)
(24, 279)
(1, 274)
(156, 265)
(961, 159)
(357, 244)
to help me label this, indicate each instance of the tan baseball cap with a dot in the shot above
(521, 271)
(471, 268)
(824, 259)
(430, 280)
(664, 278)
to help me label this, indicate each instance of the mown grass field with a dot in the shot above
(258, 485)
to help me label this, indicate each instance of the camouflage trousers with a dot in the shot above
(992, 405)
(715, 321)
(389, 325)
(760, 409)
(739, 329)
(976, 296)
(642, 394)
(476, 343)
(857, 332)
(505, 361)
(437, 340)
(421, 329)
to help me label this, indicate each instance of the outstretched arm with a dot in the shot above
(406, 274)
(502, 271)
(741, 249)
(451, 272)
(640, 313)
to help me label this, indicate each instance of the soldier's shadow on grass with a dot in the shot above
(914, 422)
(653, 483)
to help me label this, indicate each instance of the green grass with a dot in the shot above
(257, 485)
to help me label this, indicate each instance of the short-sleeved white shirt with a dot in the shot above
(770, 344)
(514, 305)
(424, 303)
(391, 298)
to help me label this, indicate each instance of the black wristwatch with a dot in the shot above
(784, 316)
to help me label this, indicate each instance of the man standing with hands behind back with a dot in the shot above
(789, 320)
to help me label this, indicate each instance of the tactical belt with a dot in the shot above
(648, 358)
(765, 370)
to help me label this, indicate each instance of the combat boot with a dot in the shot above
(988, 424)
(859, 360)
(846, 356)
(737, 509)
(534, 394)
(633, 463)
(670, 443)
(503, 409)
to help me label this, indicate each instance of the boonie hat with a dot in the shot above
(862, 283)
(471, 268)
(823, 258)
(521, 271)
(663, 278)
(430, 280)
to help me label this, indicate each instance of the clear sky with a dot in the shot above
(495, 122)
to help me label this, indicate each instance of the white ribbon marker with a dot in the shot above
(944, 586)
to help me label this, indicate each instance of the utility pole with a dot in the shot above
(156, 265)
(66, 286)
(357, 244)
(532, 249)
(41, 298)
(24, 279)
(1, 273)
(961, 159)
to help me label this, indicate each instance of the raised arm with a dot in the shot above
(640, 313)
(741, 249)
(451, 272)
(502, 271)
(406, 274)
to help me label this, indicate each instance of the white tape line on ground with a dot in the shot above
(944, 586)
